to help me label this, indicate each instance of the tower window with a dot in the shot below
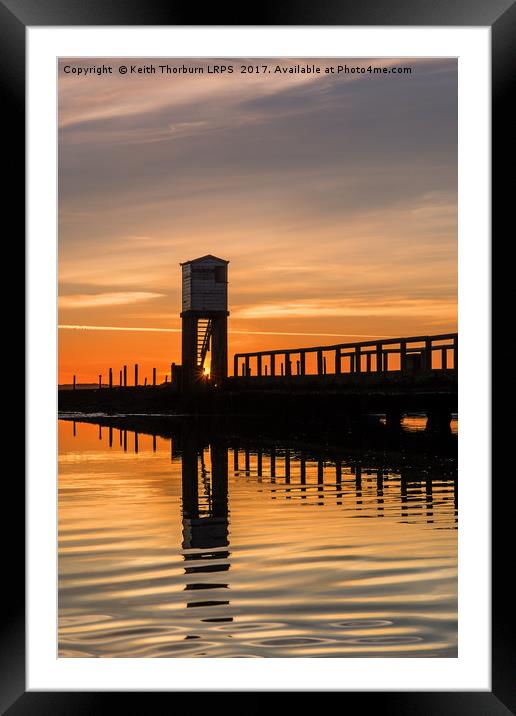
(220, 274)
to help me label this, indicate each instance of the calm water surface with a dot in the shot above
(219, 550)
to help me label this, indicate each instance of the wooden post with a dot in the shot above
(444, 358)
(154, 376)
(319, 362)
(145, 382)
(110, 437)
(428, 354)
(120, 378)
(273, 462)
(358, 360)
(153, 443)
(298, 368)
(403, 355)
(265, 370)
(125, 376)
(136, 373)
(337, 361)
(287, 465)
(166, 378)
(302, 475)
(235, 460)
(324, 365)
(379, 358)
(100, 382)
(136, 442)
(385, 361)
(111, 377)
(100, 432)
(368, 362)
(172, 371)
(258, 365)
(74, 382)
(288, 364)
(282, 369)
(273, 364)
(246, 363)
(259, 461)
(302, 362)
(125, 440)
(235, 365)
(455, 353)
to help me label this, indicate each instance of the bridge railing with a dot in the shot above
(408, 355)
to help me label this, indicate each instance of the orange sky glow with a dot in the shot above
(333, 197)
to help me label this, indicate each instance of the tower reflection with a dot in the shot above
(205, 525)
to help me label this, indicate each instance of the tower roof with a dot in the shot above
(208, 257)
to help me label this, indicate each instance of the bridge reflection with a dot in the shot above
(406, 489)
(407, 492)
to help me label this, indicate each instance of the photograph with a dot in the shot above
(257, 357)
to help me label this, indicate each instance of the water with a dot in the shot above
(182, 548)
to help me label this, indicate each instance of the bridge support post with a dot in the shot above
(288, 364)
(319, 363)
(337, 361)
(403, 355)
(438, 422)
(393, 418)
(428, 355)
(258, 365)
(357, 360)
(273, 364)
(379, 358)
(302, 363)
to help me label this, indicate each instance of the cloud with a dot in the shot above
(349, 308)
(105, 299)
(146, 329)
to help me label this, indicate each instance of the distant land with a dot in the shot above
(95, 386)
(79, 386)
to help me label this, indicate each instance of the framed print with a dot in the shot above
(252, 250)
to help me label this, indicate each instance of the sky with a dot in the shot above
(333, 196)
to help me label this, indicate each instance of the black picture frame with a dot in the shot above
(500, 16)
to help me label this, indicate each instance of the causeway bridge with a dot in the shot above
(390, 376)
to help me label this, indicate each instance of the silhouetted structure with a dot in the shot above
(205, 315)
(205, 525)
